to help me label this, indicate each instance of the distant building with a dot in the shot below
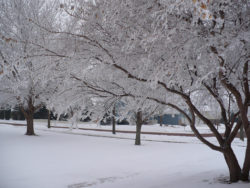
(180, 119)
(169, 119)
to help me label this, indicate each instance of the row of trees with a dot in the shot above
(148, 54)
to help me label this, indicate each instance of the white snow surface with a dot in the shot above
(59, 158)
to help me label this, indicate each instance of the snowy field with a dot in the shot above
(42, 125)
(153, 128)
(60, 158)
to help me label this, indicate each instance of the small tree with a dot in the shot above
(138, 111)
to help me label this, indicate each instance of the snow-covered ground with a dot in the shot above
(154, 128)
(42, 125)
(60, 158)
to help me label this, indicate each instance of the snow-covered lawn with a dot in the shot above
(55, 159)
(147, 128)
(42, 125)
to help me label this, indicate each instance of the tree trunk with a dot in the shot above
(138, 128)
(233, 165)
(113, 120)
(246, 165)
(29, 116)
(30, 124)
(49, 119)
(242, 132)
(161, 120)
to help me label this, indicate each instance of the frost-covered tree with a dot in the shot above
(26, 57)
(138, 111)
(188, 55)
(214, 62)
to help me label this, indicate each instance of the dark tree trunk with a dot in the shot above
(246, 165)
(138, 128)
(233, 165)
(161, 120)
(30, 124)
(29, 116)
(49, 119)
(113, 121)
(242, 132)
